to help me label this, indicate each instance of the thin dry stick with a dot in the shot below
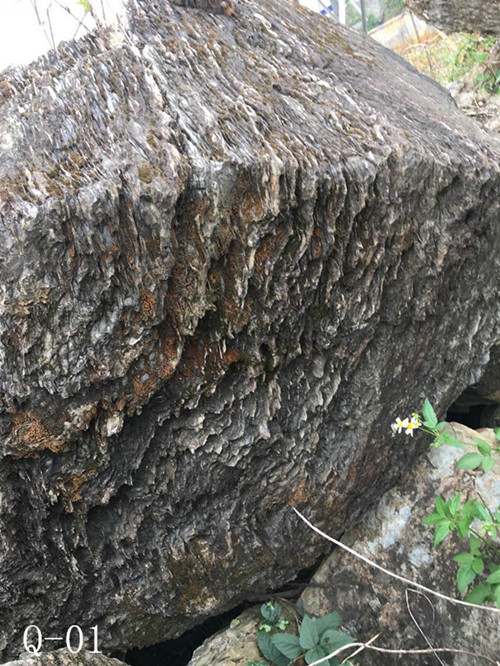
(417, 624)
(367, 646)
(360, 649)
(389, 573)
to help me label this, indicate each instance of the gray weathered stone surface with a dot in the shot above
(392, 535)
(231, 251)
(237, 644)
(481, 16)
(65, 658)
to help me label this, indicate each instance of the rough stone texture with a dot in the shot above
(481, 16)
(392, 535)
(231, 251)
(65, 658)
(238, 643)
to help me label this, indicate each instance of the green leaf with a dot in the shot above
(335, 639)
(315, 653)
(442, 531)
(482, 446)
(478, 565)
(463, 526)
(494, 577)
(441, 506)
(454, 504)
(479, 594)
(309, 636)
(448, 439)
(465, 576)
(287, 644)
(432, 519)
(440, 425)
(270, 611)
(475, 545)
(469, 461)
(268, 649)
(487, 463)
(483, 513)
(464, 558)
(497, 433)
(330, 621)
(429, 414)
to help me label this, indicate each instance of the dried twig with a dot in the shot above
(407, 581)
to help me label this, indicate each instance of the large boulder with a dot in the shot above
(231, 251)
(481, 16)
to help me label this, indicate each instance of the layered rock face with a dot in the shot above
(66, 658)
(481, 16)
(232, 250)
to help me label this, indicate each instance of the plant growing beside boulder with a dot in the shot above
(471, 520)
(316, 640)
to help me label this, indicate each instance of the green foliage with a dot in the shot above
(452, 57)
(85, 4)
(317, 638)
(489, 80)
(371, 22)
(471, 520)
(392, 8)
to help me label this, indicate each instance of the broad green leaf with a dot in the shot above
(483, 512)
(465, 576)
(464, 558)
(463, 527)
(309, 636)
(441, 506)
(483, 447)
(469, 461)
(315, 653)
(440, 425)
(487, 463)
(469, 509)
(270, 611)
(268, 649)
(330, 621)
(479, 594)
(475, 545)
(429, 414)
(336, 639)
(433, 519)
(454, 504)
(497, 433)
(478, 565)
(494, 578)
(442, 531)
(448, 439)
(287, 644)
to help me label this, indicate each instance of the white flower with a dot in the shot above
(411, 425)
(397, 426)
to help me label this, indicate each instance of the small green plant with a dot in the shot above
(317, 638)
(471, 520)
(489, 80)
(371, 22)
